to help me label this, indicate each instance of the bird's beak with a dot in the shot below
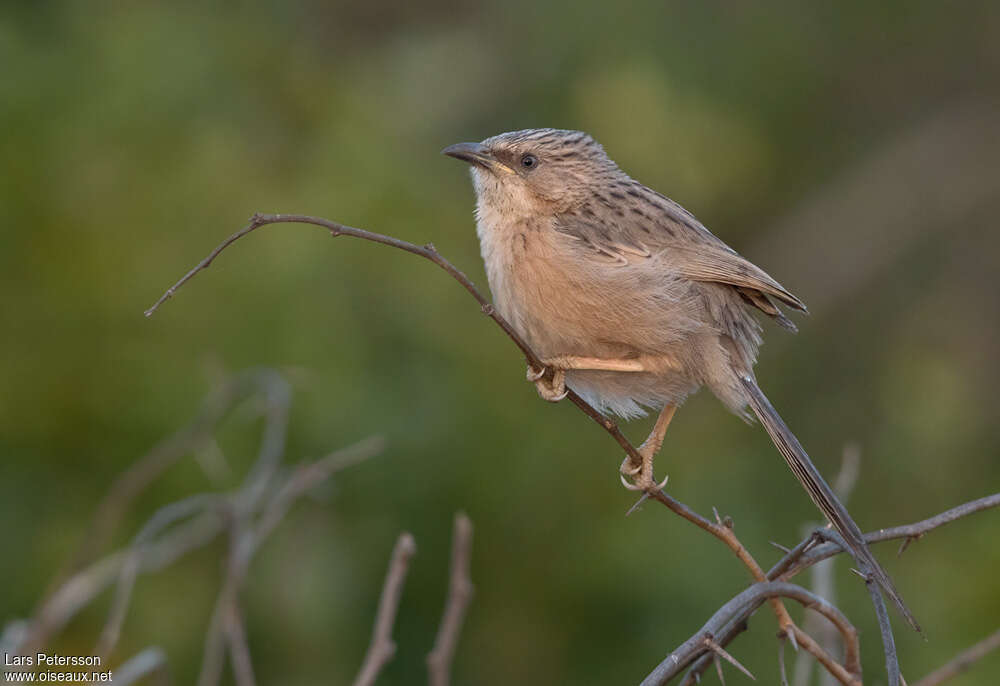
(477, 154)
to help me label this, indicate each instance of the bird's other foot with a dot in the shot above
(553, 389)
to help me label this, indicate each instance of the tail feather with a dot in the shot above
(821, 493)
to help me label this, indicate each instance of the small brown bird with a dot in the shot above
(628, 299)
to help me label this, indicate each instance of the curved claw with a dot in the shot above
(652, 486)
(554, 390)
(630, 472)
(533, 375)
(627, 485)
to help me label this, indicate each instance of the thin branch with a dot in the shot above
(962, 662)
(736, 612)
(800, 559)
(885, 628)
(382, 648)
(145, 664)
(161, 519)
(802, 556)
(727, 535)
(428, 252)
(460, 591)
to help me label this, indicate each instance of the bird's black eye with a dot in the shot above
(529, 161)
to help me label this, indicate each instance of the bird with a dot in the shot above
(630, 301)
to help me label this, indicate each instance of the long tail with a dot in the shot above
(821, 493)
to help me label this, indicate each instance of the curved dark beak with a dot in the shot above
(477, 154)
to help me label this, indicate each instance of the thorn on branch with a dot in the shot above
(906, 543)
(640, 501)
(721, 652)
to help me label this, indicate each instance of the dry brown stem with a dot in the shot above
(460, 591)
(382, 648)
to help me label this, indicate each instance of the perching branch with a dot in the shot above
(800, 557)
(382, 648)
(428, 252)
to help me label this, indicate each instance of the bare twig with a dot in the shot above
(885, 628)
(151, 661)
(382, 648)
(736, 612)
(797, 560)
(459, 594)
(428, 252)
(143, 472)
(963, 661)
(163, 518)
(727, 535)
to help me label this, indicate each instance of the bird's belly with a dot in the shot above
(563, 308)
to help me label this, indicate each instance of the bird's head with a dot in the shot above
(535, 171)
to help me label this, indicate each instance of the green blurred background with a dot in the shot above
(851, 149)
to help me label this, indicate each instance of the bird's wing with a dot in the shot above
(638, 223)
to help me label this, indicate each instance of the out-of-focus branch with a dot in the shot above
(962, 662)
(460, 591)
(150, 663)
(382, 647)
(250, 514)
(822, 576)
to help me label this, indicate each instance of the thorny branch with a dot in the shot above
(806, 553)
(736, 612)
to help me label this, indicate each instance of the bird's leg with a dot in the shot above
(642, 474)
(555, 390)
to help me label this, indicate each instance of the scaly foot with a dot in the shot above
(552, 390)
(641, 476)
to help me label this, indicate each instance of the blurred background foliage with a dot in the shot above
(850, 148)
